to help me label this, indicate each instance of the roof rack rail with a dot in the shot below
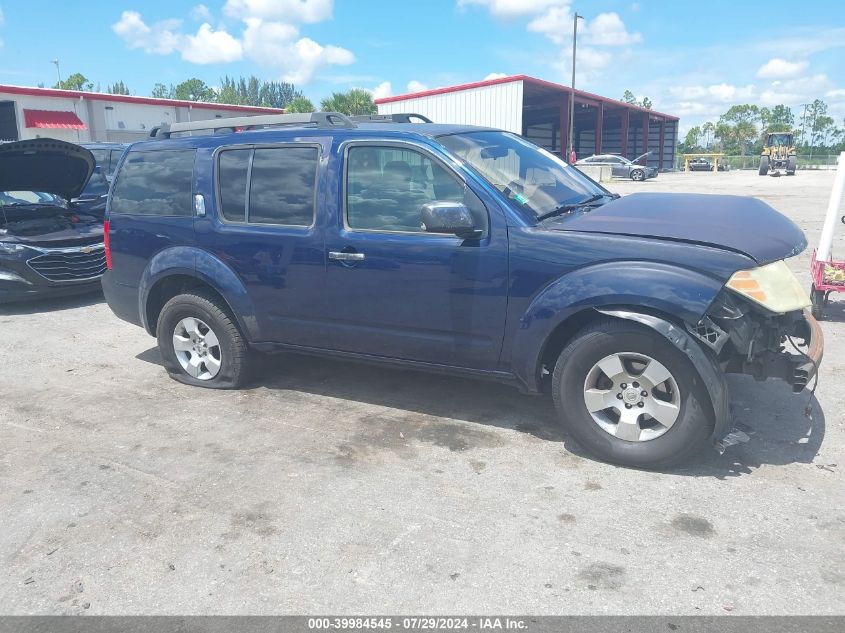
(219, 126)
(399, 117)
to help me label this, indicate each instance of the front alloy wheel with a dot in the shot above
(632, 397)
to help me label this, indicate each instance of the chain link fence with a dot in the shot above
(804, 161)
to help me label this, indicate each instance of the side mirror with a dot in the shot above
(449, 217)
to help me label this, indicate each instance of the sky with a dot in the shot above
(692, 59)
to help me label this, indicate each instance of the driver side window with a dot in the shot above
(386, 188)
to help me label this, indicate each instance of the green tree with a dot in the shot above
(77, 81)
(691, 141)
(300, 104)
(255, 92)
(118, 88)
(355, 101)
(630, 97)
(737, 128)
(708, 130)
(160, 91)
(778, 119)
(194, 90)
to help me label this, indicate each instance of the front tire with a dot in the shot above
(630, 397)
(791, 164)
(817, 301)
(638, 175)
(200, 343)
(764, 165)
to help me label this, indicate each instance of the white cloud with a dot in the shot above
(714, 93)
(303, 11)
(416, 86)
(607, 29)
(495, 76)
(384, 89)
(777, 68)
(838, 93)
(273, 43)
(556, 24)
(211, 47)
(201, 12)
(161, 38)
(795, 91)
(514, 8)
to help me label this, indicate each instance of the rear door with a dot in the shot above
(265, 228)
(397, 291)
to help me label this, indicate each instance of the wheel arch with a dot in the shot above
(171, 273)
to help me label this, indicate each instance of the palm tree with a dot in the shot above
(300, 104)
(352, 102)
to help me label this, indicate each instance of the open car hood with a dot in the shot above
(45, 164)
(738, 223)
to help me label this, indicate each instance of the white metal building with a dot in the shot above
(81, 117)
(539, 111)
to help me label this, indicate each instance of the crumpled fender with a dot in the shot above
(710, 372)
(206, 267)
(650, 286)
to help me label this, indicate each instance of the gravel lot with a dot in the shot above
(334, 487)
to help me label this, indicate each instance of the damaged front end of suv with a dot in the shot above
(759, 325)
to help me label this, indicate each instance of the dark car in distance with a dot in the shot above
(48, 246)
(456, 249)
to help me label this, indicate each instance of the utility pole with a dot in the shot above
(572, 95)
(58, 71)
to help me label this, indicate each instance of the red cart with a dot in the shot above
(828, 276)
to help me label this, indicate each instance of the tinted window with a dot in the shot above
(386, 188)
(154, 183)
(282, 185)
(114, 160)
(101, 156)
(232, 174)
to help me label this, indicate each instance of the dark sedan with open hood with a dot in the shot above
(48, 246)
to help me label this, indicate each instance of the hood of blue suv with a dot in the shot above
(45, 164)
(737, 223)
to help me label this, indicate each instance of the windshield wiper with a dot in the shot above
(564, 208)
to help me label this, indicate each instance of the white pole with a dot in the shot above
(826, 239)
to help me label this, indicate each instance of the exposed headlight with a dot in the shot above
(11, 248)
(772, 286)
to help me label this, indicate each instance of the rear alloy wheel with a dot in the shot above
(630, 397)
(200, 343)
(638, 175)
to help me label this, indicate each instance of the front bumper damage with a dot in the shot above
(735, 337)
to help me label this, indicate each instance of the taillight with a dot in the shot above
(107, 243)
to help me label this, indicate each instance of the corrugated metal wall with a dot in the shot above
(498, 106)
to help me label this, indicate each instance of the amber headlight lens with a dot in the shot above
(773, 286)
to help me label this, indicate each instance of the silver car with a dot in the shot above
(621, 167)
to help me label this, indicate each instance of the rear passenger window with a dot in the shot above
(154, 183)
(273, 185)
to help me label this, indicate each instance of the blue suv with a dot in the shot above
(456, 249)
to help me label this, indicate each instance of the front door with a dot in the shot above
(398, 291)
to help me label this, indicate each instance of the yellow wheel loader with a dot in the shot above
(778, 155)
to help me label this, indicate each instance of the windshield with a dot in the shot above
(22, 198)
(529, 176)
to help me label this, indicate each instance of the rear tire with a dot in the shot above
(213, 353)
(764, 165)
(638, 175)
(577, 379)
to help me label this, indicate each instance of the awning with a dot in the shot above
(54, 119)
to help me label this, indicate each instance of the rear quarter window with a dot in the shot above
(154, 183)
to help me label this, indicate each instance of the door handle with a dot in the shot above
(346, 257)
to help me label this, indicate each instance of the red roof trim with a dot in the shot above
(529, 80)
(101, 96)
(53, 119)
